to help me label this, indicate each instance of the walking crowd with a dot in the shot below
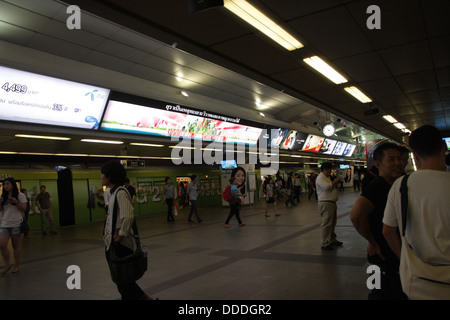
(405, 218)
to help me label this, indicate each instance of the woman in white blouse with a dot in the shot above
(121, 236)
(12, 203)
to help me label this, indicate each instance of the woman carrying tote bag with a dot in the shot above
(121, 238)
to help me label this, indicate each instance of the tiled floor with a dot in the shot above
(275, 258)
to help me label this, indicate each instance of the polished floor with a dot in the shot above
(270, 258)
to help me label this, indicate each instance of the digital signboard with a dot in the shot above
(133, 118)
(34, 98)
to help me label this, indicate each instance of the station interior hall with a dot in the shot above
(183, 88)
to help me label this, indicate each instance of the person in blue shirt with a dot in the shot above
(237, 182)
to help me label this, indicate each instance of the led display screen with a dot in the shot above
(133, 118)
(328, 146)
(447, 142)
(34, 98)
(276, 136)
(348, 151)
(313, 143)
(339, 148)
(228, 164)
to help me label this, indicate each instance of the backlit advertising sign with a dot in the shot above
(34, 98)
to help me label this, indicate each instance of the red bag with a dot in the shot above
(226, 194)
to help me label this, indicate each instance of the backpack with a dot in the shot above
(226, 194)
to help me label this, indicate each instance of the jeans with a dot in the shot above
(169, 202)
(234, 210)
(47, 213)
(194, 209)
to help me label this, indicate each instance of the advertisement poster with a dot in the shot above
(34, 98)
(127, 117)
(276, 136)
(313, 143)
(328, 146)
(349, 150)
(339, 148)
(289, 140)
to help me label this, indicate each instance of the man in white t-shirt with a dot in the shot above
(428, 215)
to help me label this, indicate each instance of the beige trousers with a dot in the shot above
(328, 212)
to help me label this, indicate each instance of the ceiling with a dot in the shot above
(140, 46)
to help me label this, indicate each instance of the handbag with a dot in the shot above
(420, 280)
(125, 265)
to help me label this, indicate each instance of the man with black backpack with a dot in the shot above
(419, 205)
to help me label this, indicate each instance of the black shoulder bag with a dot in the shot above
(126, 268)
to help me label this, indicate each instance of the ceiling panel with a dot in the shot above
(419, 81)
(403, 67)
(408, 58)
(267, 63)
(58, 47)
(401, 22)
(381, 88)
(333, 32)
(364, 67)
(15, 34)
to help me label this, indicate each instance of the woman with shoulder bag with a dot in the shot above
(12, 203)
(120, 237)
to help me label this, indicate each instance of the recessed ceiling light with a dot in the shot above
(390, 119)
(146, 144)
(41, 137)
(260, 21)
(325, 69)
(355, 92)
(102, 141)
(399, 125)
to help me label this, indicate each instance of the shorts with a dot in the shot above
(14, 231)
(271, 200)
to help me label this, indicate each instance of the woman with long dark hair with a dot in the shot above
(12, 204)
(237, 182)
(121, 235)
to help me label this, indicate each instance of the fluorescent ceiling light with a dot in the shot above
(146, 144)
(354, 91)
(41, 137)
(182, 147)
(184, 93)
(296, 156)
(262, 114)
(322, 67)
(406, 131)
(257, 19)
(390, 119)
(399, 125)
(102, 141)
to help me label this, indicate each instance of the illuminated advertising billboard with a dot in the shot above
(313, 143)
(34, 98)
(276, 136)
(348, 151)
(140, 119)
(339, 148)
(328, 146)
